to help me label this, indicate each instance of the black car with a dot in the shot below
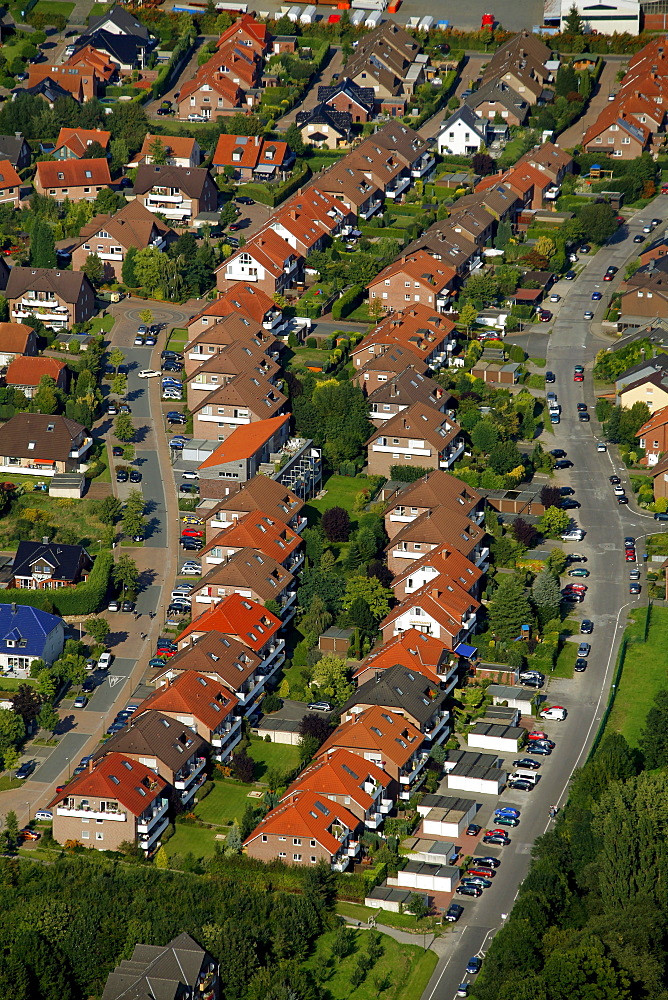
(164, 111)
(472, 830)
(453, 913)
(117, 451)
(563, 463)
(558, 453)
(584, 417)
(244, 200)
(178, 609)
(527, 763)
(536, 747)
(192, 544)
(123, 370)
(661, 516)
(121, 476)
(171, 354)
(520, 785)
(580, 665)
(496, 838)
(88, 685)
(172, 366)
(532, 682)
(615, 480)
(468, 890)
(550, 377)
(570, 276)
(135, 477)
(566, 491)
(582, 407)
(25, 770)
(638, 238)
(128, 606)
(177, 418)
(570, 504)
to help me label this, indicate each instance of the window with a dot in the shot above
(281, 854)
(296, 857)
(313, 843)
(297, 841)
(599, 138)
(626, 141)
(264, 838)
(314, 860)
(99, 836)
(85, 834)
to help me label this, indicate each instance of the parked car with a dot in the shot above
(25, 770)
(557, 713)
(506, 821)
(521, 785)
(113, 606)
(473, 965)
(122, 476)
(453, 913)
(45, 815)
(501, 839)
(80, 702)
(586, 628)
(580, 665)
(320, 706)
(472, 830)
(468, 890)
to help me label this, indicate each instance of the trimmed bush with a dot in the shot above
(349, 301)
(85, 597)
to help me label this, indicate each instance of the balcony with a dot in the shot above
(353, 848)
(188, 775)
(58, 319)
(188, 795)
(386, 806)
(298, 524)
(88, 813)
(447, 458)
(145, 823)
(482, 558)
(295, 563)
(82, 449)
(423, 165)
(339, 864)
(272, 320)
(373, 820)
(172, 199)
(149, 840)
(397, 187)
(372, 206)
(405, 554)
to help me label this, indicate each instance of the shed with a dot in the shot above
(446, 815)
(67, 484)
(279, 730)
(515, 697)
(477, 778)
(198, 450)
(336, 641)
(421, 875)
(385, 897)
(435, 852)
(502, 715)
(505, 739)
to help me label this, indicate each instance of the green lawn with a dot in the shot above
(102, 324)
(402, 921)
(279, 756)
(53, 7)
(405, 968)
(73, 521)
(226, 802)
(305, 357)
(105, 475)
(341, 492)
(192, 840)
(566, 660)
(6, 783)
(10, 684)
(643, 674)
(177, 339)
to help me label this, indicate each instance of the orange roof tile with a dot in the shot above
(237, 616)
(342, 773)
(450, 564)
(14, 337)
(29, 371)
(421, 267)
(305, 815)
(78, 140)
(176, 145)
(256, 530)
(193, 693)
(8, 176)
(244, 441)
(116, 776)
(247, 25)
(412, 649)
(72, 173)
(658, 419)
(376, 729)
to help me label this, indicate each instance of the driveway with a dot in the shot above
(469, 73)
(187, 73)
(607, 603)
(607, 84)
(333, 65)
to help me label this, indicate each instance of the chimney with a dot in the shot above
(45, 539)
(18, 135)
(13, 607)
(378, 675)
(90, 766)
(435, 592)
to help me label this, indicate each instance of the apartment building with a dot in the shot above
(181, 194)
(251, 574)
(417, 436)
(415, 278)
(59, 298)
(343, 777)
(112, 236)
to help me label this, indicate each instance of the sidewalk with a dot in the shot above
(403, 937)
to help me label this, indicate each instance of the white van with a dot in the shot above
(574, 535)
(524, 776)
(105, 661)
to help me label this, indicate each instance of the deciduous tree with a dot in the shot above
(509, 609)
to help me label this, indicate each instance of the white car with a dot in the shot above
(601, 447)
(44, 814)
(575, 535)
(190, 475)
(148, 373)
(196, 118)
(113, 606)
(557, 713)
(555, 297)
(191, 570)
(105, 661)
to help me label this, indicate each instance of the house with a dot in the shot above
(202, 703)
(49, 565)
(352, 188)
(182, 968)
(437, 608)
(252, 158)
(114, 801)
(74, 143)
(425, 496)
(417, 436)
(384, 739)
(613, 17)
(95, 62)
(470, 219)
(241, 454)
(551, 160)
(649, 366)
(462, 134)
(656, 249)
(645, 293)
(615, 133)
(403, 391)
(267, 261)
(442, 526)
(15, 149)
(118, 20)
(179, 150)
(76, 180)
(659, 474)
(111, 236)
(256, 530)
(219, 657)
(36, 444)
(170, 748)
(58, 298)
(208, 95)
(309, 219)
(123, 38)
(325, 127)
(345, 95)
(233, 388)
(497, 98)
(406, 695)
(125, 53)
(365, 789)
(303, 829)
(415, 278)
(650, 389)
(252, 574)
(443, 565)
(383, 368)
(387, 60)
(178, 193)
(653, 437)
(25, 374)
(250, 33)
(418, 329)
(260, 493)
(28, 634)
(16, 340)
(444, 244)
(416, 651)
(232, 319)
(52, 82)
(10, 185)
(521, 63)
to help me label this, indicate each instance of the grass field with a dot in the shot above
(102, 324)
(177, 339)
(402, 921)
(192, 840)
(643, 674)
(226, 802)
(279, 756)
(73, 521)
(404, 968)
(341, 492)
(53, 7)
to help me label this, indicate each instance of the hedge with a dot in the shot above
(34, 598)
(83, 599)
(272, 196)
(349, 301)
(174, 65)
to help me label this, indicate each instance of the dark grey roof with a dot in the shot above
(648, 367)
(498, 732)
(126, 22)
(364, 96)
(155, 734)
(155, 973)
(451, 803)
(124, 48)
(399, 687)
(66, 560)
(10, 147)
(190, 180)
(469, 117)
(322, 114)
(501, 92)
(47, 88)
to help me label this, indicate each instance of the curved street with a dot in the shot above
(606, 523)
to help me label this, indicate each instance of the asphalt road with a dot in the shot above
(607, 602)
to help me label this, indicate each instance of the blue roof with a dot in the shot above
(26, 627)
(463, 650)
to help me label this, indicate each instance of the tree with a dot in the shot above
(567, 80)
(505, 457)
(124, 429)
(157, 151)
(370, 590)
(484, 436)
(93, 268)
(243, 766)
(126, 575)
(48, 717)
(573, 24)
(331, 675)
(468, 314)
(46, 399)
(653, 739)
(316, 620)
(314, 544)
(161, 860)
(319, 727)
(546, 597)
(26, 703)
(293, 137)
(128, 272)
(228, 213)
(233, 841)
(509, 609)
(545, 247)
(12, 729)
(146, 316)
(550, 496)
(128, 121)
(482, 287)
(557, 561)
(109, 510)
(599, 221)
(133, 520)
(359, 616)
(12, 829)
(98, 628)
(42, 245)
(483, 164)
(336, 524)
(523, 532)
(418, 906)
(554, 522)
(47, 685)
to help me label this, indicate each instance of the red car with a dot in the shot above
(233, 228)
(192, 533)
(27, 834)
(536, 735)
(497, 831)
(483, 872)
(577, 587)
(630, 555)
(578, 377)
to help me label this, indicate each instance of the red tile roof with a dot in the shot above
(14, 337)
(342, 773)
(412, 649)
(244, 441)
(78, 140)
(8, 176)
(658, 419)
(194, 694)
(256, 530)
(376, 729)
(29, 371)
(72, 173)
(180, 146)
(306, 815)
(247, 25)
(250, 150)
(237, 616)
(116, 776)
